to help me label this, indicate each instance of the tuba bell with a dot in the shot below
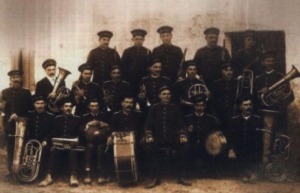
(62, 92)
(280, 92)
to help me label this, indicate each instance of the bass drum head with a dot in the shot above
(95, 134)
(215, 143)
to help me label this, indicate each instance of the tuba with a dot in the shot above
(19, 139)
(29, 169)
(62, 92)
(280, 92)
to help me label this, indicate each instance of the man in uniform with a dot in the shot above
(188, 87)
(16, 103)
(248, 58)
(65, 126)
(94, 130)
(210, 57)
(169, 54)
(224, 95)
(46, 85)
(149, 86)
(101, 59)
(245, 141)
(165, 129)
(200, 124)
(115, 89)
(135, 60)
(84, 89)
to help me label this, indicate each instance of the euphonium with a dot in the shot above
(29, 169)
(62, 92)
(280, 92)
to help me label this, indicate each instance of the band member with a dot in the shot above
(189, 87)
(149, 86)
(210, 57)
(136, 59)
(45, 86)
(115, 89)
(200, 124)
(248, 58)
(95, 128)
(16, 103)
(83, 90)
(224, 95)
(101, 59)
(169, 54)
(165, 129)
(245, 141)
(66, 126)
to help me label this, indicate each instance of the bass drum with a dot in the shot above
(215, 143)
(124, 158)
(95, 134)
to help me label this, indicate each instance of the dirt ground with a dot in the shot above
(168, 185)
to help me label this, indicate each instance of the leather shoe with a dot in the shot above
(253, 178)
(47, 181)
(152, 184)
(183, 182)
(101, 180)
(73, 181)
(87, 180)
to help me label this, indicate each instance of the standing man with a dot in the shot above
(17, 103)
(95, 129)
(66, 126)
(136, 59)
(84, 89)
(115, 89)
(189, 87)
(101, 59)
(210, 57)
(45, 86)
(245, 141)
(165, 129)
(169, 54)
(149, 86)
(248, 58)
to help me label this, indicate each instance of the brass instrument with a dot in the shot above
(280, 92)
(21, 123)
(29, 169)
(78, 91)
(143, 92)
(66, 144)
(107, 95)
(62, 92)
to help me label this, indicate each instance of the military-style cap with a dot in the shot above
(38, 97)
(138, 32)
(212, 30)
(188, 63)
(250, 33)
(225, 65)
(15, 72)
(163, 88)
(164, 29)
(105, 33)
(83, 67)
(48, 62)
(64, 100)
(154, 61)
(269, 54)
(199, 98)
(115, 67)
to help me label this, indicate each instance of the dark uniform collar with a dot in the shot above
(94, 115)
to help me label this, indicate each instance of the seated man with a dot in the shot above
(64, 126)
(164, 128)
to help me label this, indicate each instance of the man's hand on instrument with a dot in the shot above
(44, 143)
(231, 154)
(263, 90)
(109, 141)
(13, 117)
(52, 95)
(190, 128)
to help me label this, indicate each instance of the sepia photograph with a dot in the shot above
(171, 96)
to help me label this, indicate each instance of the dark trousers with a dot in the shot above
(9, 131)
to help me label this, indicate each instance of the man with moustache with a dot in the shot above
(169, 54)
(165, 129)
(40, 126)
(46, 85)
(95, 130)
(84, 89)
(102, 58)
(210, 57)
(115, 89)
(245, 141)
(149, 85)
(16, 104)
(136, 59)
(66, 126)
(189, 87)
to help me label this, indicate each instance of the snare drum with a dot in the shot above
(124, 158)
(215, 143)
